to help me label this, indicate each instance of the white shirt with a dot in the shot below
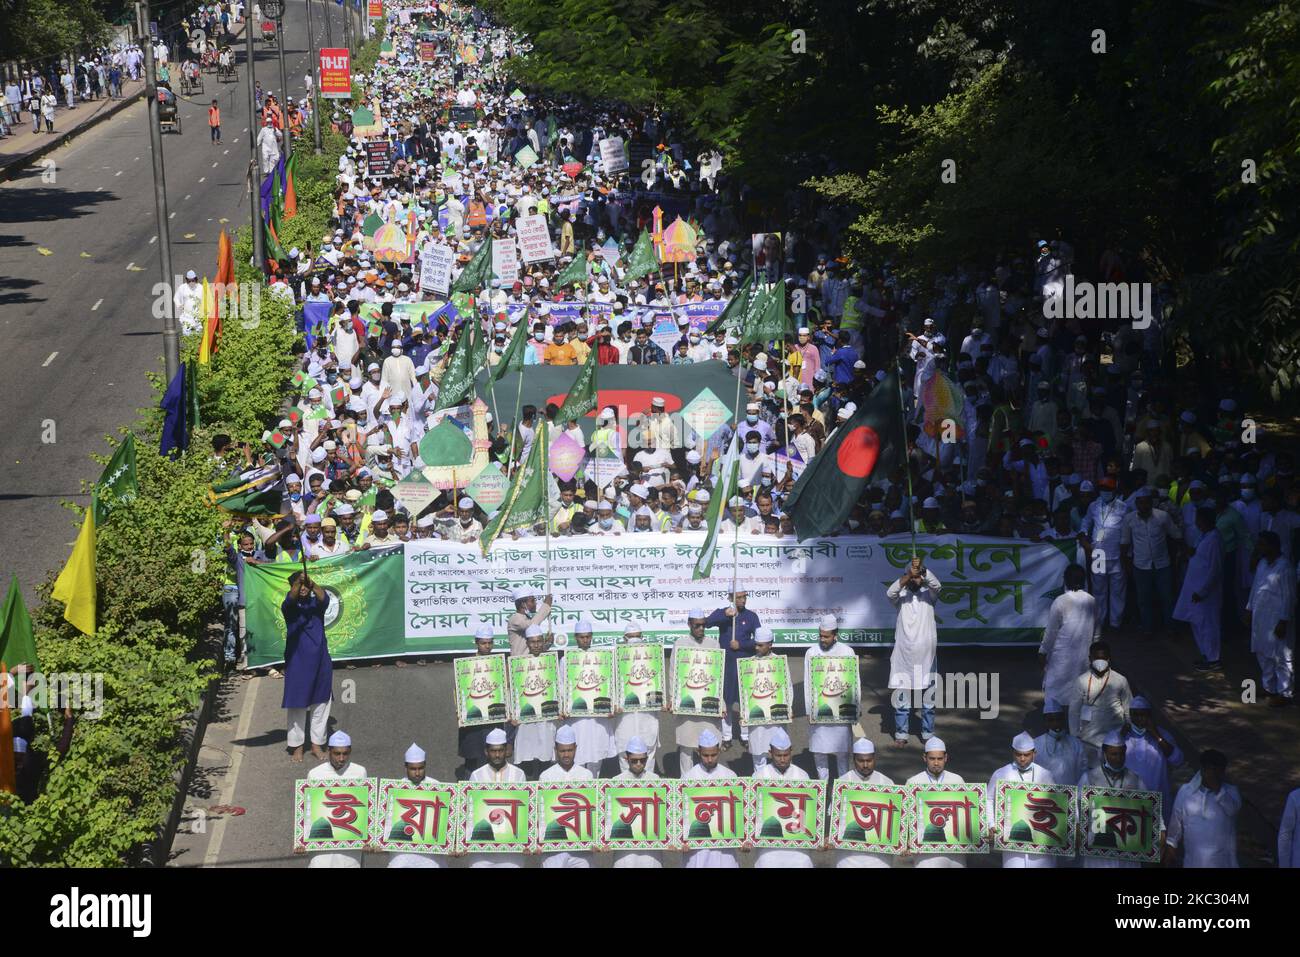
(825, 738)
(916, 638)
(1149, 538)
(1102, 524)
(1272, 600)
(1072, 625)
(1099, 705)
(1204, 822)
(1063, 757)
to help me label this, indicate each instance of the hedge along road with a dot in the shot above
(78, 321)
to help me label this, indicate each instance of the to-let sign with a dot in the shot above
(335, 73)
(375, 9)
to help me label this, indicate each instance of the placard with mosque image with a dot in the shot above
(535, 687)
(714, 813)
(765, 690)
(948, 819)
(870, 817)
(640, 678)
(569, 815)
(836, 689)
(697, 682)
(788, 813)
(1119, 824)
(417, 818)
(333, 815)
(638, 814)
(1035, 818)
(497, 818)
(482, 690)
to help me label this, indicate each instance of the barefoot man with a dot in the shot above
(308, 670)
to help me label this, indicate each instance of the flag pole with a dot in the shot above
(546, 495)
(907, 459)
(735, 551)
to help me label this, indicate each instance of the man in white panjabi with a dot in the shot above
(936, 772)
(781, 767)
(638, 769)
(1072, 625)
(760, 735)
(1272, 628)
(863, 772)
(1200, 601)
(635, 724)
(825, 740)
(339, 767)
(1057, 749)
(1023, 767)
(595, 736)
(415, 763)
(497, 770)
(1099, 703)
(689, 727)
(912, 668)
(1204, 822)
(534, 740)
(707, 767)
(1151, 752)
(566, 768)
(1112, 773)
(1288, 833)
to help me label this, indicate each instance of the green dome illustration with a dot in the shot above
(1021, 831)
(526, 711)
(688, 702)
(772, 828)
(579, 704)
(398, 833)
(825, 711)
(756, 712)
(699, 829)
(472, 713)
(854, 832)
(321, 830)
(934, 834)
(631, 700)
(556, 832)
(621, 831)
(483, 832)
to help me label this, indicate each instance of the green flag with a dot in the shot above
(459, 377)
(582, 394)
(732, 313)
(552, 131)
(766, 318)
(728, 476)
(643, 260)
(477, 272)
(576, 271)
(526, 502)
(869, 442)
(17, 641)
(117, 483)
(512, 360)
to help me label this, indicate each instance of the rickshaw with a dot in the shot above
(169, 115)
(191, 78)
(226, 72)
(268, 32)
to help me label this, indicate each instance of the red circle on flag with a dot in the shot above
(858, 452)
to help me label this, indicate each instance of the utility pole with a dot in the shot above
(329, 23)
(314, 93)
(171, 338)
(347, 28)
(254, 169)
(275, 10)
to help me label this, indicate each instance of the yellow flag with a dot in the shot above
(205, 346)
(75, 586)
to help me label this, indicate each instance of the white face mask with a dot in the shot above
(606, 523)
(751, 450)
(1100, 665)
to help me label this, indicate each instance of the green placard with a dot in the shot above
(568, 815)
(765, 691)
(713, 813)
(640, 678)
(788, 813)
(498, 818)
(419, 818)
(588, 683)
(949, 818)
(526, 157)
(535, 687)
(870, 817)
(836, 689)
(1119, 824)
(1040, 818)
(333, 815)
(482, 690)
(697, 682)
(639, 815)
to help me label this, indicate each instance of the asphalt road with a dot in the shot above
(78, 264)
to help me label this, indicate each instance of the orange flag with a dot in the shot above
(211, 323)
(225, 260)
(8, 775)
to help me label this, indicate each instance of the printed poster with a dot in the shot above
(482, 690)
(765, 690)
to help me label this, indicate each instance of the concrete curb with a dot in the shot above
(10, 169)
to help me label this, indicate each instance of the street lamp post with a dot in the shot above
(329, 23)
(312, 65)
(254, 168)
(275, 10)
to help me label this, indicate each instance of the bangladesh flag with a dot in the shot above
(117, 484)
(526, 503)
(582, 395)
(643, 260)
(872, 438)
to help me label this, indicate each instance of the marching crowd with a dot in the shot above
(1175, 506)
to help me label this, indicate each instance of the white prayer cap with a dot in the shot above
(779, 739)
(496, 736)
(589, 505)
(318, 456)
(736, 502)
(930, 503)
(414, 754)
(465, 502)
(607, 414)
(636, 746)
(631, 629)
(329, 446)
(696, 612)
(763, 636)
(829, 623)
(805, 331)
(1052, 706)
(564, 735)
(864, 746)
(843, 414)
(583, 627)
(425, 521)
(344, 509)
(702, 496)
(483, 631)
(339, 739)
(640, 491)
(533, 631)
(20, 745)
(708, 739)
(292, 479)
(191, 274)
(520, 593)
(1139, 703)
(859, 364)
(1086, 486)
(1113, 740)
(693, 457)
(605, 505)
(694, 510)
(752, 407)
(935, 744)
(643, 512)
(379, 515)
(1022, 742)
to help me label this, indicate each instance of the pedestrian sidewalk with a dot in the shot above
(25, 147)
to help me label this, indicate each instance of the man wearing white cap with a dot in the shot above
(566, 769)
(1022, 768)
(736, 625)
(188, 302)
(864, 772)
(1072, 625)
(912, 667)
(638, 769)
(825, 740)
(1150, 751)
(339, 767)
(595, 737)
(760, 735)
(708, 766)
(780, 766)
(689, 727)
(936, 772)
(1111, 773)
(635, 724)
(1099, 702)
(1056, 749)
(534, 740)
(465, 528)
(471, 741)
(526, 613)
(497, 770)
(415, 764)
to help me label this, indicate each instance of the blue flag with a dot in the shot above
(268, 194)
(175, 430)
(315, 321)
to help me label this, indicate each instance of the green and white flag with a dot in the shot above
(117, 485)
(526, 503)
(576, 271)
(512, 360)
(477, 272)
(643, 260)
(728, 477)
(735, 308)
(463, 367)
(582, 394)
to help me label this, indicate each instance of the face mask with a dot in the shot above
(295, 497)
(751, 450)
(751, 419)
(1138, 731)
(1057, 733)
(1100, 665)
(854, 524)
(606, 523)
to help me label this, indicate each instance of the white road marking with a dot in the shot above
(49, 360)
(214, 165)
(98, 303)
(187, 196)
(236, 758)
(171, 215)
(118, 173)
(225, 152)
(153, 240)
(130, 264)
(244, 130)
(202, 178)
